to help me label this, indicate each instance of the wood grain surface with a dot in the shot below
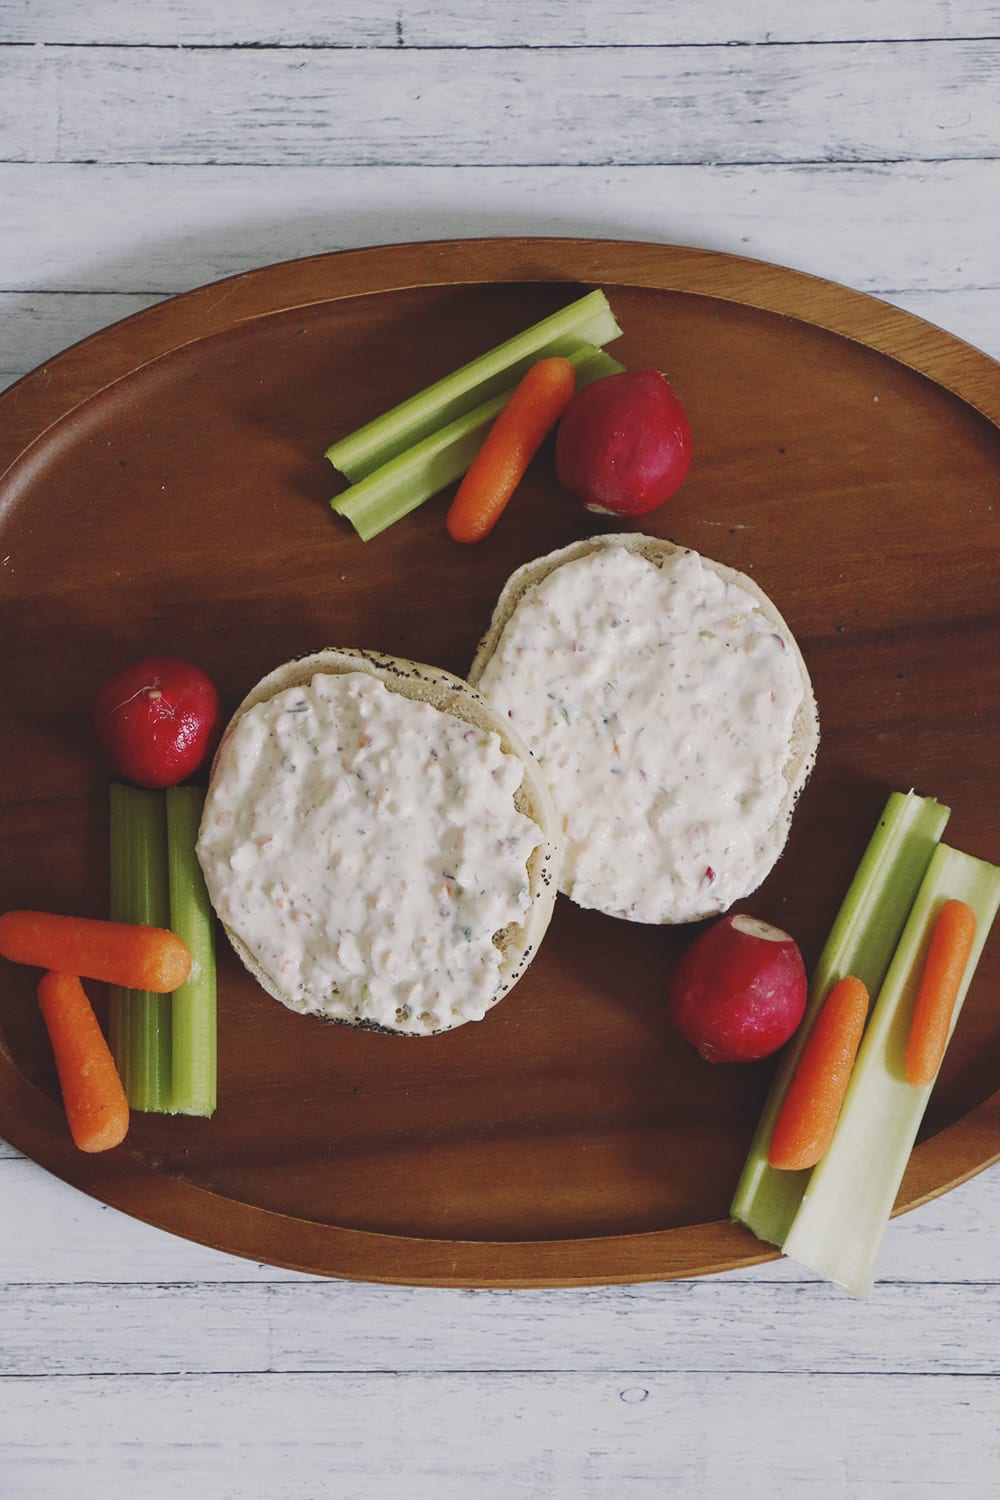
(398, 107)
(489, 1156)
(493, 23)
(761, 1381)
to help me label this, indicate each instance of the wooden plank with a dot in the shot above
(331, 1327)
(840, 102)
(506, 1437)
(157, 230)
(490, 23)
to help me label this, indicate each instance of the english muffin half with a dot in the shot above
(671, 712)
(378, 843)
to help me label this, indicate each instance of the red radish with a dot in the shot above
(157, 721)
(739, 991)
(624, 443)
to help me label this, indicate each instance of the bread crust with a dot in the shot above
(453, 695)
(805, 737)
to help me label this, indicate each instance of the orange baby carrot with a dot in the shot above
(811, 1107)
(96, 1108)
(951, 943)
(534, 408)
(136, 957)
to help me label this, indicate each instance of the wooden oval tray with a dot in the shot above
(164, 491)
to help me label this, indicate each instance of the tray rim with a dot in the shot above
(37, 402)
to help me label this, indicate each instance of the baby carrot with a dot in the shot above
(96, 1108)
(139, 958)
(811, 1107)
(535, 406)
(951, 943)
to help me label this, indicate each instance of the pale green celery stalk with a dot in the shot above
(140, 1023)
(849, 1198)
(406, 481)
(588, 320)
(861, 942)
(194, 1046)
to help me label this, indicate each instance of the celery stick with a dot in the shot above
(193, 1053)
(406, 481)
(140, 1021)
(850, 1194)
(396, 488)
(861, 942)
(589, 320)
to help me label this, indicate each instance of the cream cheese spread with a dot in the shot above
(659, 702)
(366, 848)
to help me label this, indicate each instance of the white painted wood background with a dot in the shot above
(146, 149)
